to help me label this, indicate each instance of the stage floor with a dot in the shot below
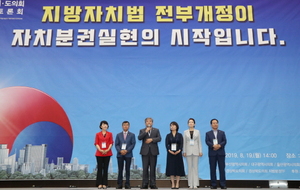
(78, 188)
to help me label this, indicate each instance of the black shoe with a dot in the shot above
(153, 187)
(213, 187)
(119, 187)
(127, 187)
(223, 187)
(144, 187)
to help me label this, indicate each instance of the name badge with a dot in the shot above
(215, 141)
(192, 142)
(123, 146)
(103, 145)
(173, 146)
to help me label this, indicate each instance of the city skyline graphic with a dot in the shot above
(33, 160)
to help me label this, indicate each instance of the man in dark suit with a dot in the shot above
(124, 143)
(216, 141)
(149, 151)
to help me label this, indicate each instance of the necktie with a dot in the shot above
(125, 134)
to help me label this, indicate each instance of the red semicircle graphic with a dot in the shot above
(22, 106)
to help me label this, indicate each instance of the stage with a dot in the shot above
(135, 184)
(49, 188)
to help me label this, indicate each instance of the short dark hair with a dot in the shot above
(213, 120)
(125, 122)
(103, 122)
(176, 124)
(192, 119)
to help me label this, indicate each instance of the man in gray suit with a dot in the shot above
(149, 151)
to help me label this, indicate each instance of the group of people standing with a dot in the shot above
(178, 146)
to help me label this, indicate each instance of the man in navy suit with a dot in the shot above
(216, 141)
(124, 143)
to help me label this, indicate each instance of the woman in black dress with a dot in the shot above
(174, 143)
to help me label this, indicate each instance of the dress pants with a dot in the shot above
(193, 179)
(149, 161)
(102, 173)
(127, 169)
(213, 161)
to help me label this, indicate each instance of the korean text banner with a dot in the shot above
(67, 65)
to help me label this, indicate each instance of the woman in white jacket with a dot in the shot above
(192, 150)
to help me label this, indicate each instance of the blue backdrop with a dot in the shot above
(251, 87)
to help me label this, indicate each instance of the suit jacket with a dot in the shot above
(221, 140)
(145, 148)
(192, 149)
(178, 139)
(130, 143)
(108, 139)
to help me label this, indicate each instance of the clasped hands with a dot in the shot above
(174, 153)
(216, 147)
(104, 151)
(200, 154)
(148, 140)
(123, 152)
